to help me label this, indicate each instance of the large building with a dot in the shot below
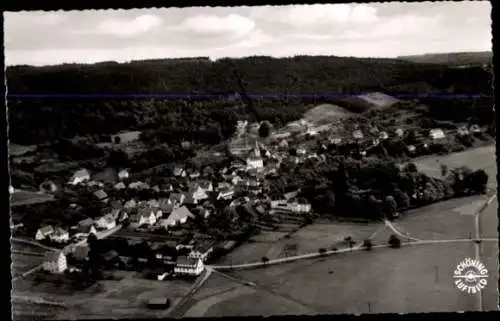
(254, 160)
(189, 266)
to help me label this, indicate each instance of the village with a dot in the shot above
(170, 235)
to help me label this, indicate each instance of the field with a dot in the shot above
(306, 240)
(25, 198)
(22, 263)
(18, 150)
(215, 298)
(410, 279)
(125, 297)
(327, 113)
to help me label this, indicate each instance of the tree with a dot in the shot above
(402, 199)
(264, 259)
(394, 241)
(367, 244)
(322, 251)
(390, 206)
(444, 170)
(117, 140)
(410, 168)
(265, 129)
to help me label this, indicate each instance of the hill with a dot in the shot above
(109, 94)
(453, 59)
(327, 113)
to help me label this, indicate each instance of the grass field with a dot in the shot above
(308, 239)
(18, 150)
(22, 263)
(25, 197)
(410, 279)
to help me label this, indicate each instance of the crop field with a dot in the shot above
(409, 279)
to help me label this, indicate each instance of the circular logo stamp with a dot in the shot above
(470, 276)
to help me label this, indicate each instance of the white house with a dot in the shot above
(145, 217)
(226, 194)
(119, 186)
(475, 129)
(436, 133)
(130, 204)
(411, 148)
(201, 252)
(55, 262)
(399, 132)
(179, 172)
(277, 200)
(178, 216)
(80, 176)
(44, 232)
(198, 193)
(106, 222)
(59, 236)
(254, 160)
(101, 195)
(177, 198)
(207, 186)
(357, 134)
(383, 135)
(86, 227)
(300, 206)
(138, 185)
(123, 174)
(191, 267)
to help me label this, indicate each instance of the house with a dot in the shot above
(277, 200)
(80, 176)
(130, 204)
(152, 207)
(463, 131)
(290, 195)
(48, 187)
(95, 183)
(283, 144)
(475, 129)
(383, 135)
(194, 174)
(223, 186)
(190, 267)
(107, 175)
(206, 186)
(86, 227)
(81, 252)
(166, 205)
(44, 232)
(116, 204)
(399, 132)
(101, 195)
(106, 222)
(203, 211)
(225, 194)
(301, 151)
(119, 186)
(436, 133)
(178, 216)
(144, 217)
(411, 148)
(300, 206)
(55, 262)
(236, 179)
(179, 172)
(177, 198)
(357, 134)
(59, 236)
(198, 194)
(201, 252)
(138, 185)
(123, 174)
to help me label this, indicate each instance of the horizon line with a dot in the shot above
(213, 59)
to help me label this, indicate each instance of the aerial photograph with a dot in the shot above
(252, 161)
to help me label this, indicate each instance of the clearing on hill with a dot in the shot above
(327, 113)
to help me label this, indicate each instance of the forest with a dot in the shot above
(175, 97)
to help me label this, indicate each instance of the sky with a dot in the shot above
(361, 30)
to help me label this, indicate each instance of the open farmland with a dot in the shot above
(22, 263)
(410, 279)
(216, 297)
(26, 197)
(306, 240)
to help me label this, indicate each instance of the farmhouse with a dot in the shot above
(226, 194)
(106, 222)
(123, 174)
(436, 133)
(101, 195)
(191, 267)
(59, 236)
(44, 232)
(79, 176)
(86, 227)
(55, 262)
(201, 252)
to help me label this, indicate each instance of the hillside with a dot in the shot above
(110, 104)
(453, 59)
(327, 113)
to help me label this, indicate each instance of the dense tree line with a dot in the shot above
(38, 119)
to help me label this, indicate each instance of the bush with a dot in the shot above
(394, 241)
